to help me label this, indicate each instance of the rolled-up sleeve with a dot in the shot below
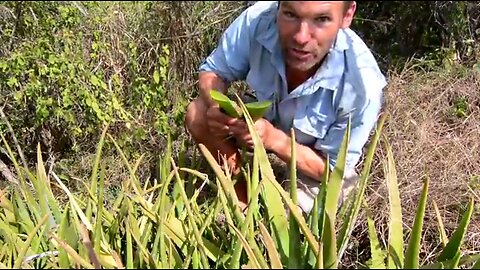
(363, 119)
(230, 59)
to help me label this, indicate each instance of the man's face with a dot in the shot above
(307, 30)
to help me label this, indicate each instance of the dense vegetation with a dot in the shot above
(70, 69)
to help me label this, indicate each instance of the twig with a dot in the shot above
(197, 31)
(7, 173)
(10, 129)
(41, 255)
(10, 11)
(18, 11)
(89, 246)
(374, 21)
(80, 8)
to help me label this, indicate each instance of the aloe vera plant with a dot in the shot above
(256, 109)
(397, 257)
(155, 224)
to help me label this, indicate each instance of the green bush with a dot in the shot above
(444, 32)
(69, 67)
(68, 74)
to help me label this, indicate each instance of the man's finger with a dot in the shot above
(238, 130)
(218, 129)
(215, 114)
(238, 123)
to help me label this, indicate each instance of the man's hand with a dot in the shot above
(263, 128)
(218, 122)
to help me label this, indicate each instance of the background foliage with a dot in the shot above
(69, 67)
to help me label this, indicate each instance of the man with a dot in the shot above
(302, 56)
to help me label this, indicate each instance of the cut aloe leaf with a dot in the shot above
(228, 105)
(258, 109)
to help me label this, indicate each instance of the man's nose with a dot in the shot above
(303, 35)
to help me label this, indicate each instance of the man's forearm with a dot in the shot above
(208, 81)
(308, 162)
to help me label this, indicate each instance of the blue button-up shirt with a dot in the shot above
(348, 84)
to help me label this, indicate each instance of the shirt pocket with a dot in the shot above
(315, 119)
(320, 123)
(264, 88)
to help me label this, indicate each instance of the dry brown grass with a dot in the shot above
(429, 140)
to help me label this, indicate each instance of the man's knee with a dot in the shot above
(195, 117)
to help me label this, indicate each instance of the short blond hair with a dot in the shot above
(346, 6)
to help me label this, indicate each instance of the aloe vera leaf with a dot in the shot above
(453, 246)
(258, 109)
(413, 250)
(228, 105)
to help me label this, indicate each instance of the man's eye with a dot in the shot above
(322, 19)
(289, 14)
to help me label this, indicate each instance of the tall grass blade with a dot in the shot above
(196, 232)
(441, 228)
(321, 197)
(20, 210)
(133, 178)
(48, 204)
(99, 217)
(477, 264)
(464, 260)
(317, 219)
(26, 244)
(65, 233)
(225, 183)
(161, 240)
(270, 245)
(18, 168)
(298, 216)
(76, 258)
(349, 222)
(295, 254)
(96, 163)
(8, 234)
(88, 246)
(246, 246)
(236, 249)
(453, 246)
(378, 257)
(245, 225)
(129, 243)
(319, 264)
(413, 249)
(334, 187)
(395, 251)
(252, 207)
(455, 261)
(275, 211)
(136, 236)
(74, 203)
(327, 239)
(176, 232)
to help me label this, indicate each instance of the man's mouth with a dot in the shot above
(299, 54)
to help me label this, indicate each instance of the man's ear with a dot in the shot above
(348, 16)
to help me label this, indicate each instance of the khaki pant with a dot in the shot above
(307, 190)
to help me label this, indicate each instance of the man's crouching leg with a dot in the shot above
(308, 189)
(219, 147)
